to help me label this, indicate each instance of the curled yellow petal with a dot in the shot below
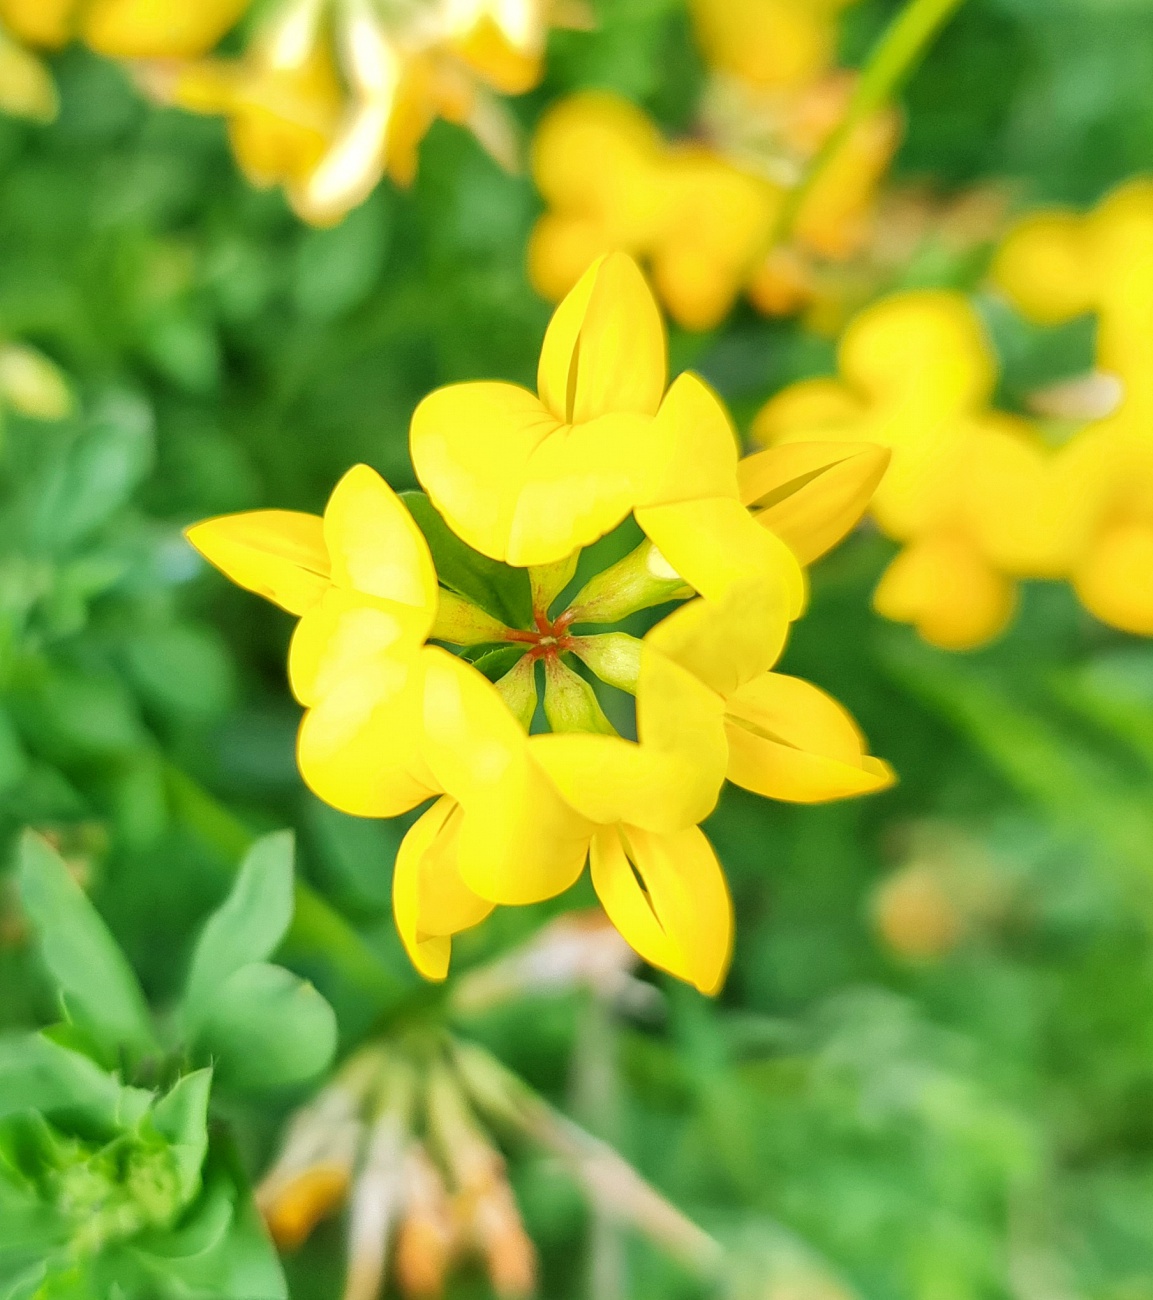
(810, 494)
(429, 900)
(279, 554)
(519, 841)
(678, 915)
(715, 545)
(375, 544)
(788, 740)
(604, 352)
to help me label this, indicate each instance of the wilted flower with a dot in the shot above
(529, 479)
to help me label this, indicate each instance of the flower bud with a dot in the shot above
(427, 1238)
(642, 579)
(29, 382)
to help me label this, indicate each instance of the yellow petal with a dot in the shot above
(580, 483)
(715, 545)
(604, 352)
(667, 780)
(1045, 265)
(789, 740)
(471, 445)
(375, 544)
(810, 494)
(519, 841)
(696, 446)
(429, 900)
(1115, 578)
(945, 588)
(727, 642)
(47, 23)
(158, 29)
(346, 632)
(279, 554)
(359, 747)
(682, 918)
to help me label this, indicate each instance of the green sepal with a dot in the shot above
(497, 588)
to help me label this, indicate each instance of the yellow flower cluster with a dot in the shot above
(978, 497)
(704, 217)
(967, 491)
(332, 95)
(1058, 265)
(528, 480)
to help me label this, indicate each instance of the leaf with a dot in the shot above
(93, 976)
(497, 588)
(265, 1028)
(182, 1118)
(250, 923)
(337, 268)
(36, 1073)
(99, 476)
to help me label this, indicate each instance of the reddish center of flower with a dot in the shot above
(548, 639)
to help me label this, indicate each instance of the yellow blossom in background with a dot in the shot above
(530, 479)
(125, 29)
(703, 215)
(329, 97)
(969, 493)
(1057, 265)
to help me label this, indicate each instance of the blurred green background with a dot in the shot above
(931, 1073)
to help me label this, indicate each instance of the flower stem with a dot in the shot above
(891, 62)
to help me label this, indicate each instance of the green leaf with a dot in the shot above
(182, 1118)
(100, 474)
(265, 1028)
(495, 663)
(337, 269)
(497, 588)
(250, 923)
(38, 1074)
(92, 975)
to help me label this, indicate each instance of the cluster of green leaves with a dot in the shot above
(111, 1188)
(970, 1127)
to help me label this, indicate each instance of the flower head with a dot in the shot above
(394, 720)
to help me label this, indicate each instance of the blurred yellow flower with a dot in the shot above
(125, 29)
(704, 214)
(969, 492)
(392, 721)
(1057, 265)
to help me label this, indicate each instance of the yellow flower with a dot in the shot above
(1057, 265)
(970, 490)
(48, 24)
(26, 85)
(125, 29)
(392, 721)
(613, 184)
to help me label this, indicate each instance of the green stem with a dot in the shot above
(891, 62)
(318, 929)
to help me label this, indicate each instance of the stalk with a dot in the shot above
(894, 58)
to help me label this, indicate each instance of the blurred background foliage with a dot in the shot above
(931, 1072)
